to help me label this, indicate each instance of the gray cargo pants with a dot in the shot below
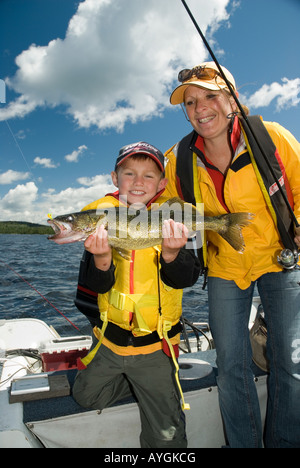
(110, 378)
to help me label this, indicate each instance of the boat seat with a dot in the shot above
(41, 410)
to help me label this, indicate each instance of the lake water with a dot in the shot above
(53, 271)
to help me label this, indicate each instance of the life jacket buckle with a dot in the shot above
(117, 299)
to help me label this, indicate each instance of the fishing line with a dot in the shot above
(22, 154)
(43, 297)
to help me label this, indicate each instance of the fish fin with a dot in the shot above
(192, 234)
(174, 205)
(167, 204)
(231, 230)
(173, 200)
(124, 253)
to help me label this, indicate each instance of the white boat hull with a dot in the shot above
(61, 423)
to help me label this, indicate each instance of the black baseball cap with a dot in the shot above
(141, 148)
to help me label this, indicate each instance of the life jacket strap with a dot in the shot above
(199, 200)
(132, 303)
(272, 180)
(167, 326)
(260, 179)
(100, 335)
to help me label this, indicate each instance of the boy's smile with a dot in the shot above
(138, 179)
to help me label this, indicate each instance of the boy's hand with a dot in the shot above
(297, 238)
(175, 236)
(97, 244)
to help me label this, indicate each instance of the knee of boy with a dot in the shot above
(79, 393)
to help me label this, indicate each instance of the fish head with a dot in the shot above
(73, 227)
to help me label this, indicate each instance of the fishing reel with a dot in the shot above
(288, 259)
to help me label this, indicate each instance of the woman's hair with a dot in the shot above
(228, 94)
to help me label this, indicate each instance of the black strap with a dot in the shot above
(185, 180)
(184, 167)
(121, 337)
(86, 300)
(285, 223)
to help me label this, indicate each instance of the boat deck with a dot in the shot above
(61, 423)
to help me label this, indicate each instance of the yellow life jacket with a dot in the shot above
(139, 301)
(242, 192)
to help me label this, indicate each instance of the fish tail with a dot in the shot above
(231, 229)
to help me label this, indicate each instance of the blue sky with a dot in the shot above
(84, 78)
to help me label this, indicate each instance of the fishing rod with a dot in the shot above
(233, 94)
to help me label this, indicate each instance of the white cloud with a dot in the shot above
(18, 200)
(45, 162)
(72, 199)
(28, 203)
(117, 62)
(73, 157)
(22, 106)
(285, 95)
(96, 181)
(11, 176)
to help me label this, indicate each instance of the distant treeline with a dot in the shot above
(15, 227)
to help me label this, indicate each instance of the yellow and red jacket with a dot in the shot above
(139, 301)
(242, 193)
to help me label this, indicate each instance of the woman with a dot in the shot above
(217, 164)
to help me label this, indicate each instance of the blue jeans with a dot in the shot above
(229, 309)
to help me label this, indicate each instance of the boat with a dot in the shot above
(38, 368)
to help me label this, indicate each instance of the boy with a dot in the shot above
(140, 308)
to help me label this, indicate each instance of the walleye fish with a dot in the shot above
(132, 229)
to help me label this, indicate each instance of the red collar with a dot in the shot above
(217, 177)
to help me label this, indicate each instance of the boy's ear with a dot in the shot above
(162, 184)
(114, 177)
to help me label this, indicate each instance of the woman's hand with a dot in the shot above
(97, 244)
(175, 236)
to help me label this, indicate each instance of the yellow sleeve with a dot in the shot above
(105, 202)
(289, 150)
(171, 189)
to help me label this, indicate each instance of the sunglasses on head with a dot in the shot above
(202, 73)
